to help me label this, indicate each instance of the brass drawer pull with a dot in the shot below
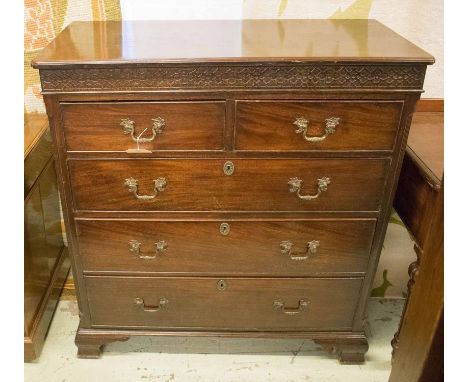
(301, 305)
(159, 247)
(303, 126)
(295, 185)
(139, 302)
(128, 127)
(286, 249)
(159, 186)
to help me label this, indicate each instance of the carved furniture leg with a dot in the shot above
(90, 344)
(413, 271)
(349, 351)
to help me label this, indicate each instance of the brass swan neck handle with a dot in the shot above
(295, 185)
(134, 246)
(286, 249)
(140, 303)
(132, 185)
(290, 311)
(128, 127)
(302, 125)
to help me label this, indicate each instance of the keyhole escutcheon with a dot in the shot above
(221, 285)
(228, 168)
(224, 228)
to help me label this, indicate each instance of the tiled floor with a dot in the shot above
(202, 359)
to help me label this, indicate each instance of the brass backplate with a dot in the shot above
(221, 285)
(228, 168)
(224, 228)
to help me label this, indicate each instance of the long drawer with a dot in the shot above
(235, 247)
(254, 185)
(116, 126)
(317, 125)
(222, 304)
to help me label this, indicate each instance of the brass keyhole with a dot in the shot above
(228, 168)
(222, 285)
(224, 228)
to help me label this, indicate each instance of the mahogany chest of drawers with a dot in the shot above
(228, 178)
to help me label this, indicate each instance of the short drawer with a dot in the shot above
(222, 303)
(254, 185)
(316, 125)
(116, 126)
(234, 247)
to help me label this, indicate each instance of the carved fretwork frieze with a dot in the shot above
(300, 76)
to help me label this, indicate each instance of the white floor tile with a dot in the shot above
(148, 359)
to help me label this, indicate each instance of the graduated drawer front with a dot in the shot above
(201, 185)
(272, 125)
(275, 248)
(244, 304)
(184, 125)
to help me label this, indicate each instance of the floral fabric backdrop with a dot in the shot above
(44, 19)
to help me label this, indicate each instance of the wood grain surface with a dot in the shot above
(245, 304)
(255, 185)
(268, 125)
(46, 261)
(426, 142)
(188, 125)
(250, 247)
(147, 42)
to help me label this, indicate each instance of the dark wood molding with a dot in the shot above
(419, 188)
(419, 202)
(419, 352)
(430, 104)
(46, 261)
(413, 271)
(34, 340)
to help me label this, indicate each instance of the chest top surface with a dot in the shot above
(84, 44)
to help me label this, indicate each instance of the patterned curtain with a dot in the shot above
(43, 20)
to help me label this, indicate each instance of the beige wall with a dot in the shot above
(420, 21)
